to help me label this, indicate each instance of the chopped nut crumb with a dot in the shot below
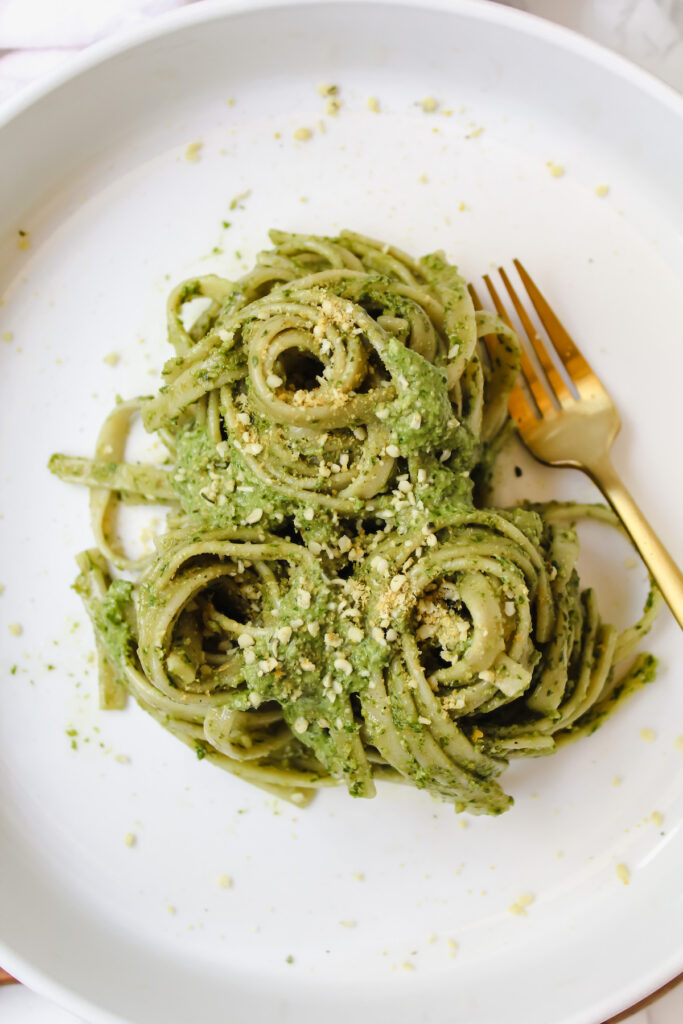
(523, 901)
(225, 881)
(623, 873)
(373, 104)
(556, 170)
(192, 152)
(303, 134)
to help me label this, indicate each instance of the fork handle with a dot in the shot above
(664, 570)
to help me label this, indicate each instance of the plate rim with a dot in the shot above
(194, 13)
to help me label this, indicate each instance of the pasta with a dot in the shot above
(332, 601)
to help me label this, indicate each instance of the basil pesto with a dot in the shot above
(333, 600)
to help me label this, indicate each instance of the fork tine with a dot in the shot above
(570, 357)
(474, 295)
(562, 392)
(520, 409)
(518, 405)
(545, 406)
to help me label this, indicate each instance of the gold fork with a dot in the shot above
(564, 430)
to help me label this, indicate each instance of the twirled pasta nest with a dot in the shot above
(328, 603)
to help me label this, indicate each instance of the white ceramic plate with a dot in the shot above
(94, 169)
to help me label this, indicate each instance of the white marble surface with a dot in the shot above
(648, 32)
(37, 36)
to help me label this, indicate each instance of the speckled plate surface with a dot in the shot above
(394, 909)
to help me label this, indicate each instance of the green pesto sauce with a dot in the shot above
(324, 622)
(113, 621)
(198, 464)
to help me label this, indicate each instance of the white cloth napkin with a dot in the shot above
(43, 24)
(36, 36)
